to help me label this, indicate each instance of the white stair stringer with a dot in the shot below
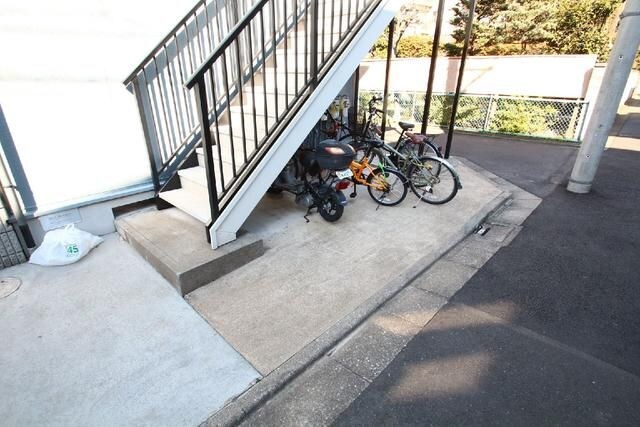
(226, 226)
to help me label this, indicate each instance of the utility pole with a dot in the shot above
(609, 96)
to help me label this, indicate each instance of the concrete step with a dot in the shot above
(175, 245)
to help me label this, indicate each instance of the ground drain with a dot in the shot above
(9, 285)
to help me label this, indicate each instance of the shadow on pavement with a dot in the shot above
(547, 332)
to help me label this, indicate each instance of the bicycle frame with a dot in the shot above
(358, 169)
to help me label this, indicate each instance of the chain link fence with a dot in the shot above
(548, 118)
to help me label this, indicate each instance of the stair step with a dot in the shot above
(277, 75)
(189, 201)
(194, 177)
(227, 169)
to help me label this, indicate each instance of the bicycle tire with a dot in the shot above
(383, 176)
(430, 175)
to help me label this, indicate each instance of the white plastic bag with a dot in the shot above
(64, 246)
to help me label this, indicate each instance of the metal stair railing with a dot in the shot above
(167, 111)
(214, 89)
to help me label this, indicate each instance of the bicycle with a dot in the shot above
(423, 144)
(386, 186)
(432, 179)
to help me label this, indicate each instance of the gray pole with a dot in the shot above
(609, 96)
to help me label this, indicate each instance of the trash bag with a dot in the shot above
(64, 246)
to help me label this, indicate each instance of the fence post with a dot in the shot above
(487, 117)
(583, 120)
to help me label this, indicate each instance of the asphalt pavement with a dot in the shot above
(547, 331)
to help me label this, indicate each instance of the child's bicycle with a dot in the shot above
(387, 186)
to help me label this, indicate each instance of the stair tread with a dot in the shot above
(190, 202)
(196, 174)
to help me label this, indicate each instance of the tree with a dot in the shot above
(524, 24)
(409, 15)
(581, 26)
(536, 26)
(483, 34)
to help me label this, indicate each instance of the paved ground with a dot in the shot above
(317, 273)
(107, 341)
(319, 394)
(537, 167)
(547, 332)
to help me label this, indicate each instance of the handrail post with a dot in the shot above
(146, 117)
(207, 145)
(313, 16)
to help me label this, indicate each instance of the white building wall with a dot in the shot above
(556, 76)
(75, 126)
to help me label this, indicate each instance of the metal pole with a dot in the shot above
(313, 65)
(385, 93)
(463, 59)
(356, 96)
(432, 67)
(609, 96)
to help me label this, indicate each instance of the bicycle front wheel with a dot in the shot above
(432, 180)
(387, 187)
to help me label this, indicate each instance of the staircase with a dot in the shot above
(257, 77)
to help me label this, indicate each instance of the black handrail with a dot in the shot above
(226, 42)
(235, 162)
(171, 34)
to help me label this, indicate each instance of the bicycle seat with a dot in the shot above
(406, 126)
(416, 138)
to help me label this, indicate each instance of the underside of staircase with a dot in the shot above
(271, 105)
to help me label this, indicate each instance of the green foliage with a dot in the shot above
(483, 32)
(506, 27)
(414, 47)
(379, 48)
(581, 26)
(469, 114)
(514, 115)
(524, 24)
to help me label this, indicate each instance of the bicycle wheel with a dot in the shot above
(387, 187)
(431, 149)
(432, 180)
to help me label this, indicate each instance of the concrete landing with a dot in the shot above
(107, 341)
(175, 244)
(316, 274)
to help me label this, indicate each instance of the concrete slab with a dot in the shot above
(375, 344)
(317, 273)
(445, 277)
(472, 253)
(175, 244)
(312, 399)
(107, 341)
(415, 305)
